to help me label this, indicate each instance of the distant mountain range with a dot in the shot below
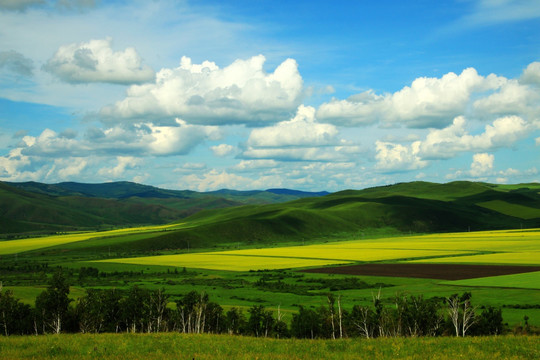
(29, 207)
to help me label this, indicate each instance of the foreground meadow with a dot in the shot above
(186, 346)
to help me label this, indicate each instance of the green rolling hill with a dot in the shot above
(36, 208)
(416, 207)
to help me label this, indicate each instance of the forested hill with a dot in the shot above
(33, 207)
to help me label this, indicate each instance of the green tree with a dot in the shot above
(14, 315)
(306, 324)
(261, 321)
(52, 304)
(235, 321)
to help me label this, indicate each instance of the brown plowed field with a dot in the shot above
(427, 271)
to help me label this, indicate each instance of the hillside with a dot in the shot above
(33, 207)
(417, 207)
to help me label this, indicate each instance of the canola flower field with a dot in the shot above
(22, 245)
(493, 247)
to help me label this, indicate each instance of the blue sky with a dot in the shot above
(311, 95)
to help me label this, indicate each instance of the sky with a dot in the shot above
(308, 95)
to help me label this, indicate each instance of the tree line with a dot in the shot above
(144, 310)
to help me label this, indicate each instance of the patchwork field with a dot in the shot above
(225, 261)
(493, 247)
(22, 245)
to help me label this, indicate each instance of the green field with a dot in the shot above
(524, 281)
(180, 346)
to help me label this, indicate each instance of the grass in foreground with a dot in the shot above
(178, 346)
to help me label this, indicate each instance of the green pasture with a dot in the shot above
(529, 280)
(521, 211)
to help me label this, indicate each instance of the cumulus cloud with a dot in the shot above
(531, 74)
(512, 98)
(95, 61)
(222, 150)
(428, 102)
(70, 168)
(451, 141)
(12, 166)
(396, 157)
(302, 130)
(141, 139)
(123, 163)
(204, 93)
(448, 142)
(16, 63)
(302, 138)
(482, 164)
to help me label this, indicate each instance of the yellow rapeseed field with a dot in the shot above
(509, 258)
(512, 247)
(345, 251)
(222, 261)
(21, 245)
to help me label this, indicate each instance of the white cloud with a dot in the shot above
(396, 157)
(215, 180)
(302, 130)
(302, 138)
(141, 139)
(16, 62)
(95, 61)
(13, 164)
(179, 140)
(531, 74)
(512, 98)
(204, 93)
(123, 163)
(482, 164)
(70, 167)
(448, 142)
(428, 102)
(222, 150)
(248, 165)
